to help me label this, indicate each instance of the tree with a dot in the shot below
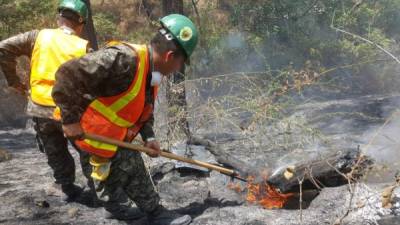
(172, 6)
(89, 31)
(177, 97)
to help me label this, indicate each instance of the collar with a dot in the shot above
(67, 30)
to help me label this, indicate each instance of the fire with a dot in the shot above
(263, 194)
(236, 187)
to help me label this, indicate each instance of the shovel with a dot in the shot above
(111, 141)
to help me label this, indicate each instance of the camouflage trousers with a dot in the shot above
(127, 172)
(50, 139)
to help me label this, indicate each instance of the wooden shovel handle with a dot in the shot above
(165, 154)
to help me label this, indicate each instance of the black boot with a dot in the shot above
(71, 191)
(88, 199)
(162, 216)
(124, 213)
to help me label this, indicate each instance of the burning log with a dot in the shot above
(282, 189)
(261, 193)
(265, 195)
(333, 171)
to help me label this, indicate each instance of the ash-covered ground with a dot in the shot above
(310, 129)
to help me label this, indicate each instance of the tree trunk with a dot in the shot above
(176, 92)
(89, 32)
(172, 6)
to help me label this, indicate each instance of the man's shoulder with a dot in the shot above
(21, 39)
(27, 34)
(121, 47)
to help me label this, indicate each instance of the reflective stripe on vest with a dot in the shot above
(110, 111)
(111, 116)
(52, 48)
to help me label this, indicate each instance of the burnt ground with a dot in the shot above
(26, 182)
(309, 129)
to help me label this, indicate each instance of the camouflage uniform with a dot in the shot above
(108, 72)
(49, 135)
(51, 140)
(129, 173)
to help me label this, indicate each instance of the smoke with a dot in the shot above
(234, 41)
(340, 110)
(382, 142)
(232, 53)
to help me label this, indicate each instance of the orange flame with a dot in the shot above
(262, 193)
(236, 187)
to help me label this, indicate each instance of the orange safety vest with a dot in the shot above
(113, 116)
(52, 48)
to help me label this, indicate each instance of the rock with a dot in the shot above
(159, 171)
(52, 190)
(73, 212)
(393, 220)
(42, 204)
(221, 137)
(4, 155)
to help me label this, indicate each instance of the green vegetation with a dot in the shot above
(278, 37)
(23, 15)
(284, 35)
(256, 59)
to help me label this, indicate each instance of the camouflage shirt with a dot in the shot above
(104, 73)
(11, 49)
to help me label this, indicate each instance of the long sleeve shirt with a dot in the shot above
(104, 73)
(11, 49)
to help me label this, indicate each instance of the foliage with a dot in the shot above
(106, 28)
(23, 15)
(274, 34)
(263, 55)
(261, 36)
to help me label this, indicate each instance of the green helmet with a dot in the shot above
(76, 6)
(182, 30)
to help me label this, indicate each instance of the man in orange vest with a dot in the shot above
(111, 93)
(48, 49)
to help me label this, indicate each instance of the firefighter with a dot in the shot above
(47, 50)
(111, 93)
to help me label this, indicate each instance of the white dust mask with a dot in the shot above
(156, 78)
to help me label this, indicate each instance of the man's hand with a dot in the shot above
(73, 131)
(155, 146)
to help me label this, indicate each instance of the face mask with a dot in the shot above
(156, 78)
(67, 30)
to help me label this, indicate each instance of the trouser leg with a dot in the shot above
(55, 145)
(129, 173)
(139, 186)
(84, 158)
